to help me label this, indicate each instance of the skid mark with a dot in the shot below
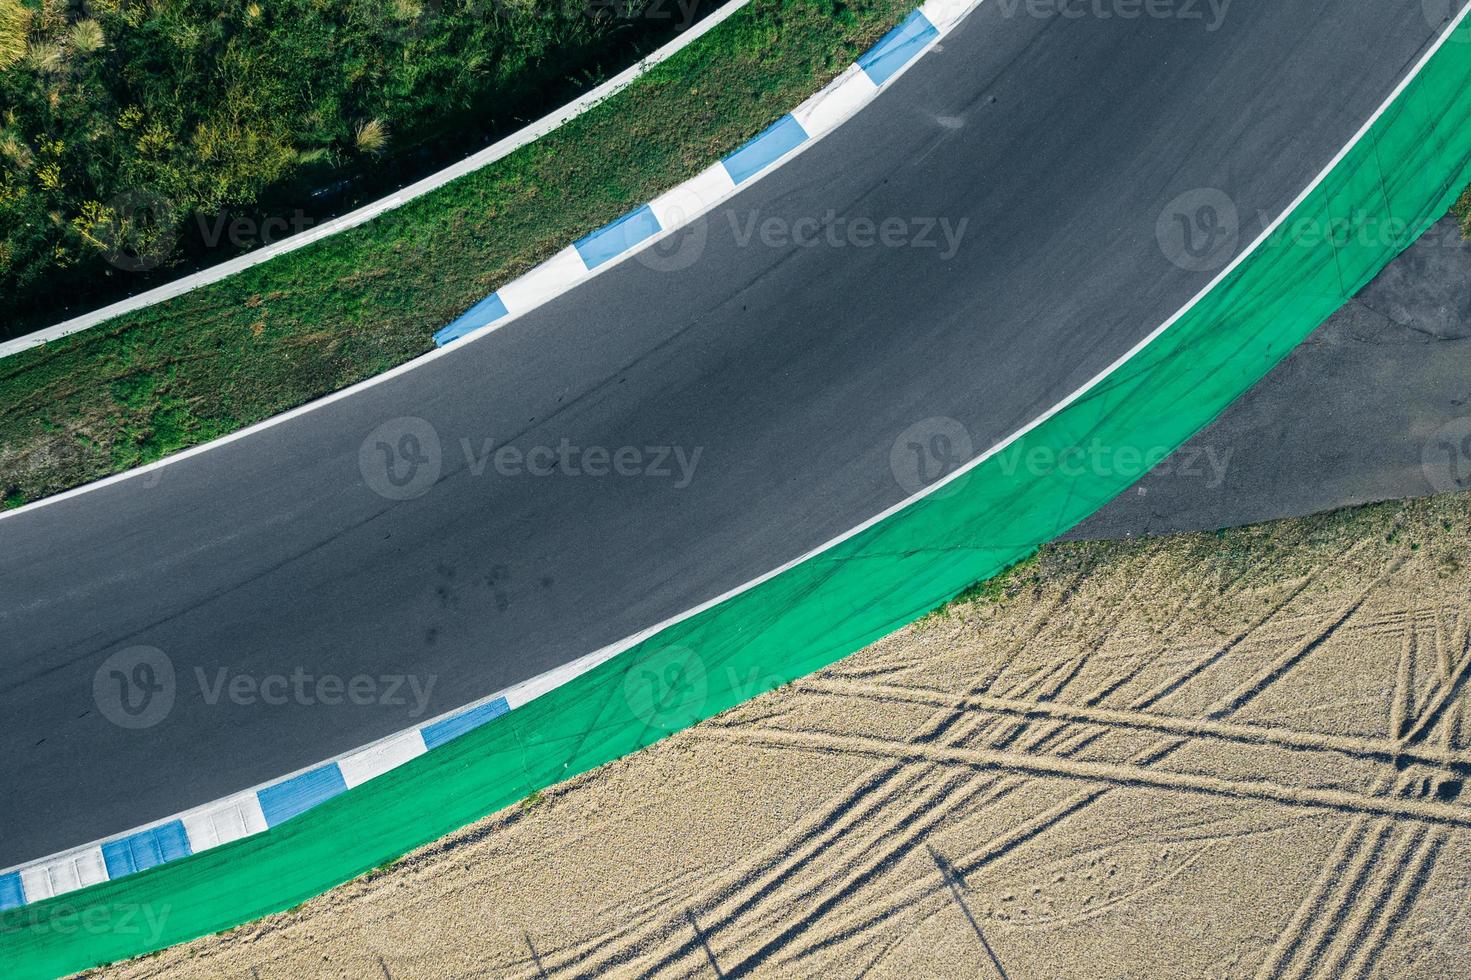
(1003, 843)
(1451, 627)
(817, 898)
(832, 888)
(1403, 881)
(916, 893)
(866, 860)
(1068, 807)
(804, 840)
(1036, 826)
(1290, 943)
(1199, 665)
(1382, 750)
(1371, 900)
(1291, 937)
(778, 907)
(861, 804)
(816, 901)
(1402, 702)
(1112, 773)
(853, 812)
(1447, 691)
(1278, 668)
(1396, 909)
(1340, 900)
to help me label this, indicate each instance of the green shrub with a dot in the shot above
(127, 127)
(15, 24)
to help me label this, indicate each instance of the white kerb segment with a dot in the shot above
(65, 874)
(835, 102)
(376, 759)
(222, 822)
(945, 14)
(698, 194)
(548, 280)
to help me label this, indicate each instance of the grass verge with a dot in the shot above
(226, 356)
(137, 133)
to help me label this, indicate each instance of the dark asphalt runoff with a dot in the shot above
(790, 369)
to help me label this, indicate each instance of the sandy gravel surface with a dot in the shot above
(1234, 755)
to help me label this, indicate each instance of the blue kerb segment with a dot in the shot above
(12, 895)
(611, 241)
(486, 311)
(298, 794)
(898, 47)
(781, 136)
(456, 725)
(145, 849)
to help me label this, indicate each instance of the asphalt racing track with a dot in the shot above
(791, 369)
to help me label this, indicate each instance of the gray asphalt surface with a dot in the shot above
(791, 369)
(1375, 405)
